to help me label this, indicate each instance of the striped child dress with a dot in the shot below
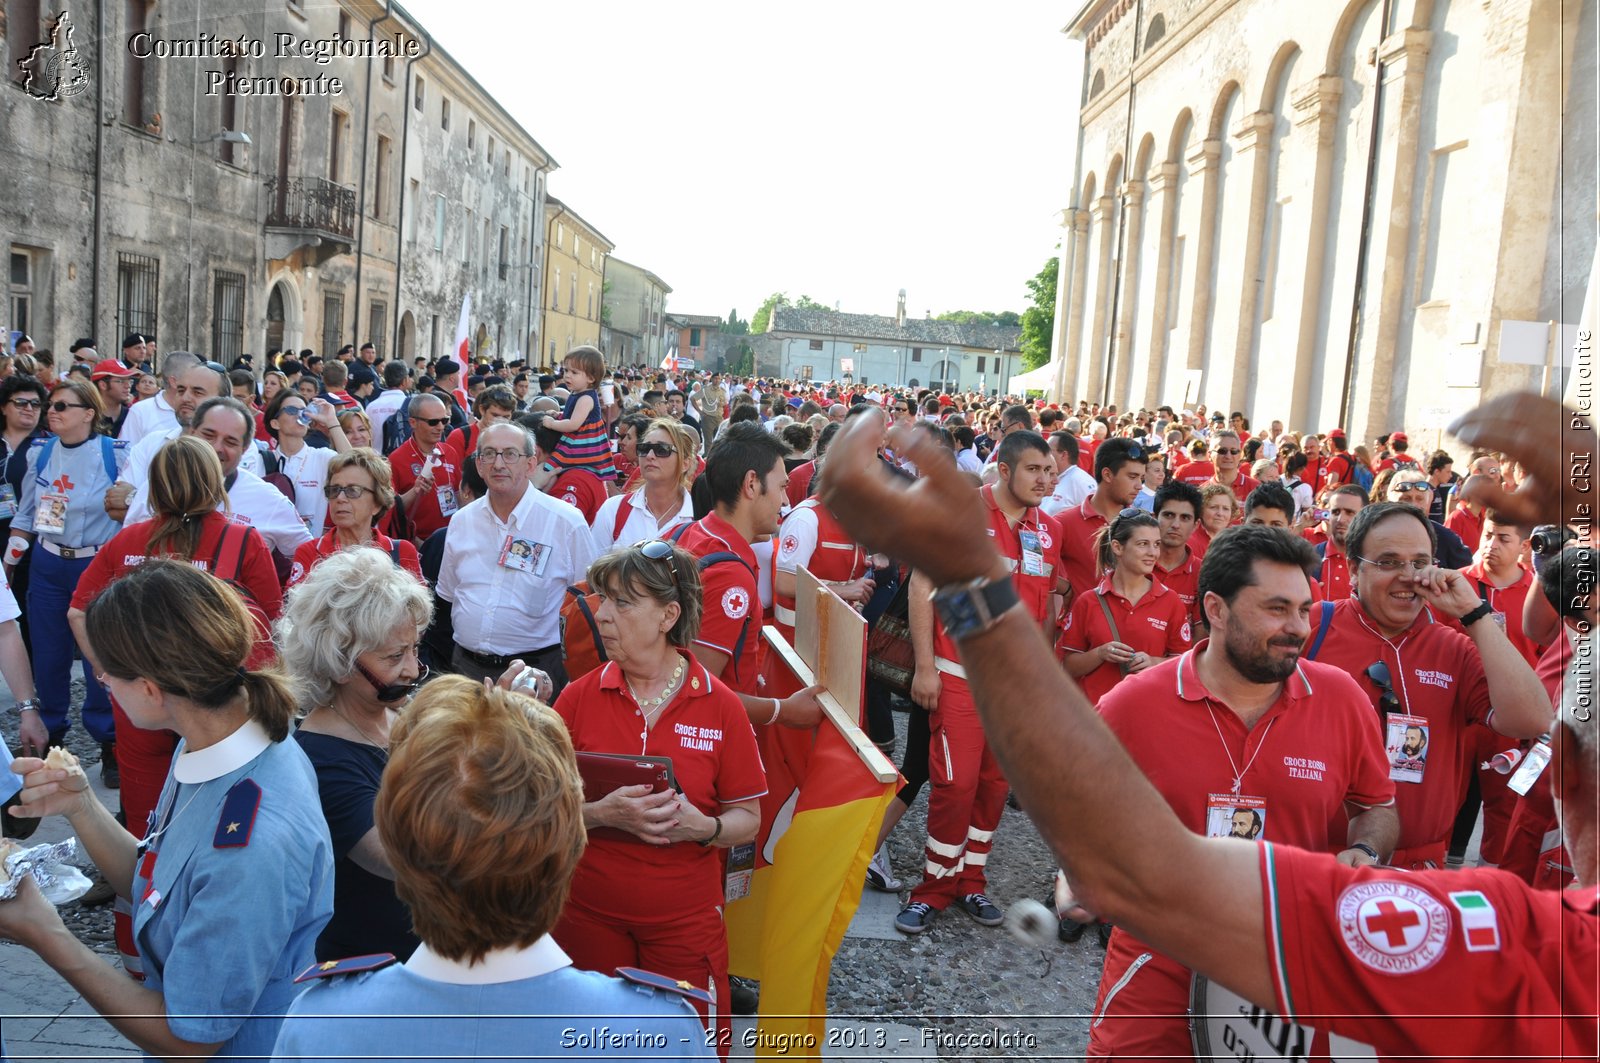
(589, 447)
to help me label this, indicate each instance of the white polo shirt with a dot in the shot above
(1072, 487)
(498, 608)
(639, 525)
(380, 409)
(137, 471)
(147, 416)
(308, 471)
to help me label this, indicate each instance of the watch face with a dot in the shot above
(960, 613)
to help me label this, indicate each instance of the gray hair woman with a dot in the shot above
(348, 637)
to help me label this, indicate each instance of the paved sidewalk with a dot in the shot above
(54, 1021)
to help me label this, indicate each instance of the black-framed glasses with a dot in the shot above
(26, 404)
(432, 422)
(351, 491)
(63, 407)
(660, 550)
(510, 456)
(1388, 702)
(659, 450)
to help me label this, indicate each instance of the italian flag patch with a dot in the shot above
(1479, 924)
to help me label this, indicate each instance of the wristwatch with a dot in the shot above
(28, 703)
(1483, 610)
(1369, 850)
(968, 609)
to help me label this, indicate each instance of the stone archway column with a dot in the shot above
(1104, 210)
(1254, 138)
(1204, 165)
(1128, 302)
(1163, 191)
(1073, 325)
(1316, 124)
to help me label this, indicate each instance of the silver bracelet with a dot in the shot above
(777, 709)
(28, 705)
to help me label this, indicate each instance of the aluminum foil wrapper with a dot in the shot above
(57, 879)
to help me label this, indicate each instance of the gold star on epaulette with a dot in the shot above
(329, 965)
(684, 985)
(232, 828)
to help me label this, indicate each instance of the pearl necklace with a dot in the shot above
(648, 706)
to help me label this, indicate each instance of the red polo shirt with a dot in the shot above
(1438, 675)
(1200, 541)
(1079, 525)
(307, 556)
(1466, 524)
(582, 489)
(1197, 473)
(1242, 486)
(1394, 959)
(799, 488)
(731, 600)
(406, 464)
(705, 732)
(1157, 624)
(1034, 590)
(1334, 574)
(1184, 581)
(1507, 605)
(1311, 752)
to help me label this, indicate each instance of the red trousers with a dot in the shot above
(1142, 1008)
(690, 944)
(964, 805)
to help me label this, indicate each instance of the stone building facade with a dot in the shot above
(575, 264)
(1330, 211)
(364, 184)
(636, 328)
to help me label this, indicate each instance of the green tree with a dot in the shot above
(735, 325)
(761, 320)
(1039, 320)
(743, 361)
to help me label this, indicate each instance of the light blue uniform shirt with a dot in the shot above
(224, 927)
(79, 473)
(436, 1009)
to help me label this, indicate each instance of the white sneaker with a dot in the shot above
(880, 874)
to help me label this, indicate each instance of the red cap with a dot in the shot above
(1398, 437)
(1337, 433)
(111, 367)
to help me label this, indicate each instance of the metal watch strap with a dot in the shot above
(27, 703)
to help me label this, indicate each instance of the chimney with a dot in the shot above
(900, 310)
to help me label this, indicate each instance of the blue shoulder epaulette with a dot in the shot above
(651, 980)
(238, 815)
(354, 965)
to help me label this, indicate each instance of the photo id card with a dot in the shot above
(1528, 772)
(51, 516)
(524, 555)
(1406, 745)
(1032, 553)
(1235, 816)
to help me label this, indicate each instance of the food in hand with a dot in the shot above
(61, 759)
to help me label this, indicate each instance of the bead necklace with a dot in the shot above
(648, 707)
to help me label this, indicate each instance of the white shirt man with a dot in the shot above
(137, 471)
(506, 576)
(148, 416)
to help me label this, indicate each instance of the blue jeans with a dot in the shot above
(53, 579)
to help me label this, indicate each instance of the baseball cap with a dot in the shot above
(1398, 437)
(111, 367)
(133, 339)
(1336, 433)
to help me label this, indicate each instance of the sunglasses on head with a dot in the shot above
(1378, 672)
(659, 550)
(660, 450)
(1412, 485)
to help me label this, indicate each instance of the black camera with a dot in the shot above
(1548, 539)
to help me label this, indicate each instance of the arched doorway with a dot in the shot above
(408, 338)
(946, 376)
(275, 316)
(480, 342)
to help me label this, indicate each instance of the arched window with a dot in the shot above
(1157, 30)
(1098, 85)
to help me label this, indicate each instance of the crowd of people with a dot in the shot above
(349, 608)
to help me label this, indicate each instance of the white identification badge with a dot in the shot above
(1032, 553)
(741, 869)
(1235, 816)
(524, 555)
(51, 515)
(8, 501)
(1406, 745)
(447, 499)
(1530, 769)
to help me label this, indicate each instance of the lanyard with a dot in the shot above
(1238, 775)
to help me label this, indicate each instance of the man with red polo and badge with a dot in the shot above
(1341, 467)
(1177, 507)
(1427, 681)
(1333, 567)
(1228, 451)
(969, 790)
(426, 478)
(1239, 728)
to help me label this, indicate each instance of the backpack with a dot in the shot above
(109, 448)
(581, 649)
(227, 562)
(272, 471)
(397, 429)
(1364, 477)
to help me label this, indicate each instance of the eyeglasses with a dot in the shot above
(351, 491)
(26, 404)
(1378, 672)
(432, 422)
(63, 407)
(1397, 564)
(659, 550)
(1412, 485)
(509, 455)
(659, 450)
(1227, 450)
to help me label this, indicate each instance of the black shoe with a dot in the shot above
(1103, 931)
(914, 918)
(1071, 931)
(109, 773)
(744, 995)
